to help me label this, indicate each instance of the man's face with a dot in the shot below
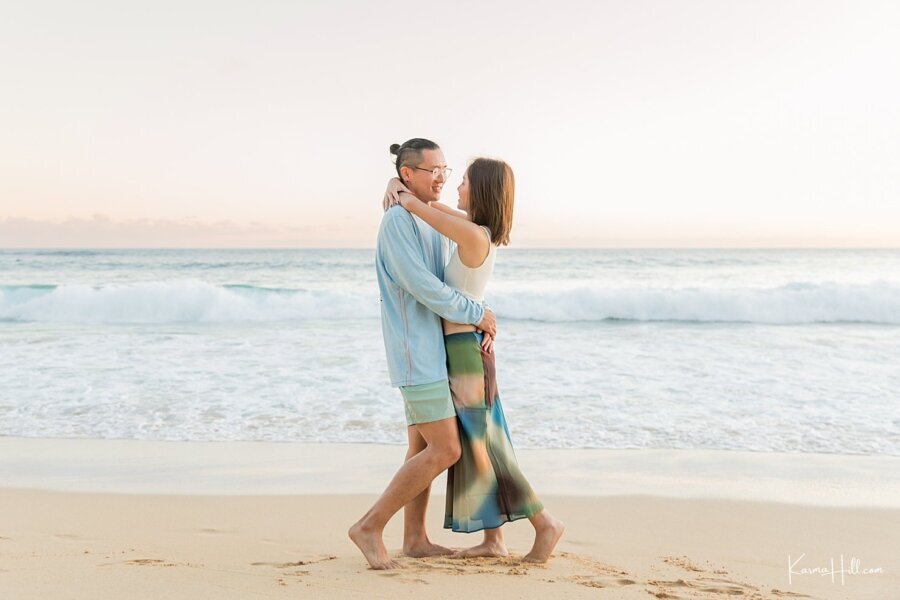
(421, 181)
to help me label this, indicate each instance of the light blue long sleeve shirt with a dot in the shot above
(409, 260)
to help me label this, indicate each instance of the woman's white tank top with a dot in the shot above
(470, 281)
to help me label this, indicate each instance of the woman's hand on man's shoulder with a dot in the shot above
(392, 193)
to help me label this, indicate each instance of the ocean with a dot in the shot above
(761, 350)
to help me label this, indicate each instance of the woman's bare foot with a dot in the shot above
(547, 531)
(372, 547)
(483, 549)
(425, 548)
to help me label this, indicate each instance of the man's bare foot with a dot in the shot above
(546, 535)
(424, 548)
(483, 549)
(372, 547)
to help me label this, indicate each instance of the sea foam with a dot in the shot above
(193, 301)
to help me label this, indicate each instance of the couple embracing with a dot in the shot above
(439, 340)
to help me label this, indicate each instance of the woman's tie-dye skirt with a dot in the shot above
(485, 488)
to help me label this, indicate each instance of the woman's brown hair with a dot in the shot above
(492, 191)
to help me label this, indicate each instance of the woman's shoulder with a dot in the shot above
(478, 251)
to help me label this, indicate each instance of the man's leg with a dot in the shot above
(442, 450)
(415, 536)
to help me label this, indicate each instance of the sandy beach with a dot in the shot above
(105, 519)
(220, 313)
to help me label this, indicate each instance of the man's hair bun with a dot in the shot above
(410, 152)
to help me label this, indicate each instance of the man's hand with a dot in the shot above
(392, 193)
(488, 323)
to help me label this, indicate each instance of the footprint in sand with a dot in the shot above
(604, 575)
(666, 595)
(463, 566)
(400, 577)
(299, 563)
(684, 562)
(598, 575)
(599, 582)
(149, 562)
(784, 594)
(709, 585)
(298, 573)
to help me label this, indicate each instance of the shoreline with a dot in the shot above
(289, 468)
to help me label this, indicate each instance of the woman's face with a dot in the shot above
(463, 189)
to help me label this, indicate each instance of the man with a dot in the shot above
(410, 268)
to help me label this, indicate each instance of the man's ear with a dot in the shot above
(405, 174)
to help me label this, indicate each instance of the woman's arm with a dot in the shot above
(395, 187)
(464, 232)
(449, 211)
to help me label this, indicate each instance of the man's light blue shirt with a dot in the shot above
(409, 260)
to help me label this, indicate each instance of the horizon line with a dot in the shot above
(75, 248)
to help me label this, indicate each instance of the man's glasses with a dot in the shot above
(436, 171)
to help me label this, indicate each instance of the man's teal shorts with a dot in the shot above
(427, 402)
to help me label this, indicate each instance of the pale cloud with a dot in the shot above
(100, 231)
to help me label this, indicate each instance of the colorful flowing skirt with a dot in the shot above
(485, 488)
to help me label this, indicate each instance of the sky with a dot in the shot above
(628, 123)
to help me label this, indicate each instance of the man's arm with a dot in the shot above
(401, 251)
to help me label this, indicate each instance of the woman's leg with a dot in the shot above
(471, 481)
(547, 531)
(487, 488)
(492, 545)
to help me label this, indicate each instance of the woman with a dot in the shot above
(485, 488)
